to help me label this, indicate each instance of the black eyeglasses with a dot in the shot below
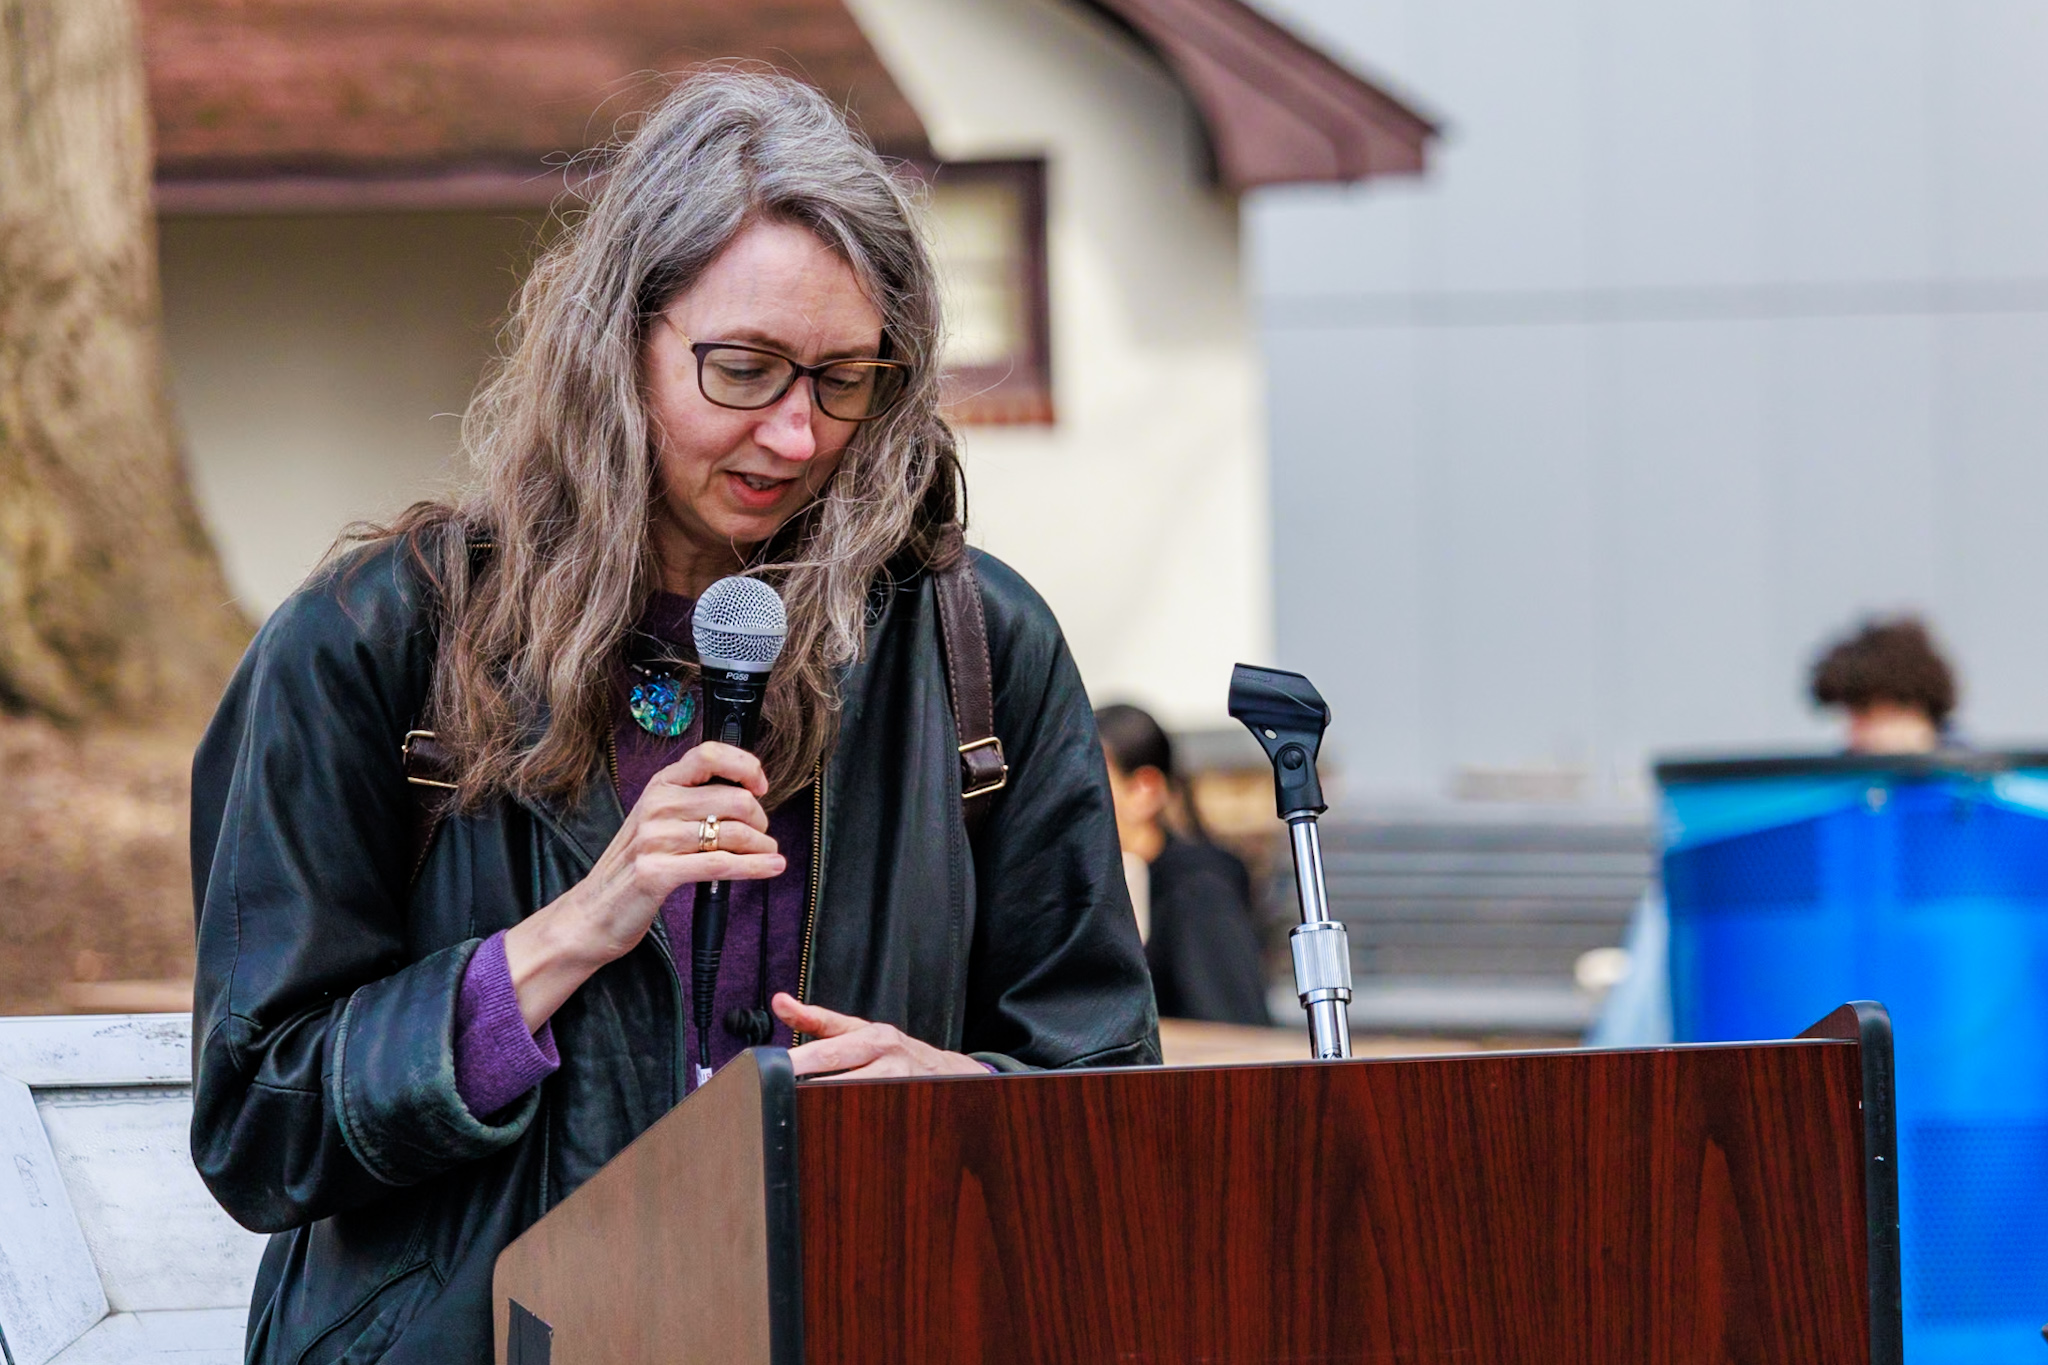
(749, 378)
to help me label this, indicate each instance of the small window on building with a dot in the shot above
(988, 226)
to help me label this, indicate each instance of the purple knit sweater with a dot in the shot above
(497, 1060)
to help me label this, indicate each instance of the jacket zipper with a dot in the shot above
(803, 962)
(675, 986)
(659, 934)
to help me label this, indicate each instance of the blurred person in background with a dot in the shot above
(1193, 898)
(1892, 683)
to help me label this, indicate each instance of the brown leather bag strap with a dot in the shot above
(964, 632)
(428, 775)
(430, 770)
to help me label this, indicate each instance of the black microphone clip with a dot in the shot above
(1287, 716)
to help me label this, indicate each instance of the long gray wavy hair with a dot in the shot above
(545, 564)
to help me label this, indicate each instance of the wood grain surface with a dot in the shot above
(1683, 1205)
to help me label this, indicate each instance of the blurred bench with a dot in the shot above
(111, 1250)
(1474, 925)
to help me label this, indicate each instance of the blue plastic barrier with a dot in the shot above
(1794, 885)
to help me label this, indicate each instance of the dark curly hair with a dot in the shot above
(1888, 659)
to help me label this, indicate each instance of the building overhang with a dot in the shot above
(330, 105)
(366, 105)
(1278, 110)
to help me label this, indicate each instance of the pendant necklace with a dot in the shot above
(660, 703)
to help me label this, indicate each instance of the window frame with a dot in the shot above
(1019, 390)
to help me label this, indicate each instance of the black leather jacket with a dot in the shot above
(324, 1102)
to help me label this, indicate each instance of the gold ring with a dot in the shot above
(707, 834)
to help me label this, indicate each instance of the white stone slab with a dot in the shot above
(206, 1336)
(97, 1049)
(158, 1237)
(49, 1291)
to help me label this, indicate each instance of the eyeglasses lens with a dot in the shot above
(856, 392)
(744, 379)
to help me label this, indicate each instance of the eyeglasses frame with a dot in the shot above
(798, 370)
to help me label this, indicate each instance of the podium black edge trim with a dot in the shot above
(1869, 1024)
(529, 1340)
(1940, 763)
(781, 1202)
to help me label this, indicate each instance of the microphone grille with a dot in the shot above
(739, 623)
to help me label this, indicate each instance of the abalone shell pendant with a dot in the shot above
(662, 706)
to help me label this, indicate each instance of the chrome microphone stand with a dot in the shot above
(1287, 716)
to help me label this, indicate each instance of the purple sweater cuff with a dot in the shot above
(496, 1059)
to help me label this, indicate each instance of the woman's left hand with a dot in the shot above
(847, 1048)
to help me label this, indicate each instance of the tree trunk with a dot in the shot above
(112, 602)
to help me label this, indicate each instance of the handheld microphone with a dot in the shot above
(738, 625)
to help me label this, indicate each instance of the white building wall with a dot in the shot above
(319, 366)
(319, 362)
(1141, 514)
(1715, 325)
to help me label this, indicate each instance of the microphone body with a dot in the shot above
(738, 625)
(732, 706)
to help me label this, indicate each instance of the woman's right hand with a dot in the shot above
(602, 917)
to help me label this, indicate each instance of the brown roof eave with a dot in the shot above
(267, 104)
(1277, 109)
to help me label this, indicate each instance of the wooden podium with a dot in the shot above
(1688, 1204)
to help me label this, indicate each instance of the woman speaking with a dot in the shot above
(419, 1028)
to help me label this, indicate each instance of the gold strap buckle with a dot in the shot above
(405, 750)
(1002, 778)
